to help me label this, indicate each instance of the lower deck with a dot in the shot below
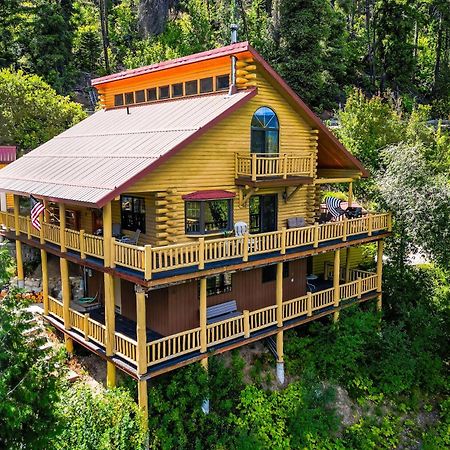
(176, 342)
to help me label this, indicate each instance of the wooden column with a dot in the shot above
(110, 325)
(350, 194)
(336, 287)
(107, 233)
(347, 265)
(380, 273)
(44, 280)
(46, 212)
(141, 333)
(19, 258)
(65, 287)
(62, 226)
(202, 308)
(279, 294)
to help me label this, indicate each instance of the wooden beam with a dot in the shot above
(62, 226)
(44, 267)
(107, 233)
(332, 180)
(279, 294)
(110, 325)
(202, 307)
(141, 330)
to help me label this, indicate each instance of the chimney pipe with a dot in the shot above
(233, 88)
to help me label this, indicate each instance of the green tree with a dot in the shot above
(311, 56)
(102, 421)
(31, 112)
(29, 381)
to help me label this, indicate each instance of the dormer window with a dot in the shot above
(264, 131)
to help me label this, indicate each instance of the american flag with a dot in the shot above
(36, 208)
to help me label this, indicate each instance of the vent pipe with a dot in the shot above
(233, 88)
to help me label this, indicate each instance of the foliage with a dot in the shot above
(6, 263)
(31, 112)
(438, 438)
(29, 381)
(99, 421)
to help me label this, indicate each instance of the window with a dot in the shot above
(222, 82)
(269, 273)
(140, 96)
(132, 213)
(191, 87)
(206, 85)
(218, 284)
(264, 131)
(163, 92)
(118, 100)
(177, 90)
(129, 98)
(151, 94)
(208, 216)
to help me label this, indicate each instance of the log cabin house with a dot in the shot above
(191, 203)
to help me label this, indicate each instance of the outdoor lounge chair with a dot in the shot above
(88, 300)
(334, 207)
(132, 240)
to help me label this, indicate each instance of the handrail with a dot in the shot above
(152, 260)
(263, 165)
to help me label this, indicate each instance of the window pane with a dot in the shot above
(151, 94)
(132, 213)
(222, 82)
(139, 96)
(164, 92)
(206, 85)
(218, 284)
(191, 87)
(129, 98)
(118, 100)
(258, 141)
(272, 141)
(177, 90)
(216, 215)
(192, 217)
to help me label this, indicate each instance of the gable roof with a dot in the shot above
(97, 159)
(332, 154)
(7, 154)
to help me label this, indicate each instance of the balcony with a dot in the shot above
(261, 169)
(149, 262)
(90, 330)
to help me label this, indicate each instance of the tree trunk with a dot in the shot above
(105, 34)
(152, 16)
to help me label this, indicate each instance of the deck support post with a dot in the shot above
(202, 307)
(44, 266)
(280, 357)
(19, 258)
(347, 265)
(336, 287)
(141, 334)
(380, 273)
(279, 294)
(107, 233)
(62, 227)
(110, 325)
(65, 290)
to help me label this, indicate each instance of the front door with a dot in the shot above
(263, 213)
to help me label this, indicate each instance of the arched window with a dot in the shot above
(265, 130)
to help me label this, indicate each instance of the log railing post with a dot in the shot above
(82, 245)
(309, 304)
(283, 241)
(316, 234)
(254, 168)
(62, 227)
(148, 262)
(86, 326)
(389, 221)
(246, 314)
(369, 224)
(359, 287)
(107, 233)
(201, 253)
(285, 164)
(344, 229)
(245, 249)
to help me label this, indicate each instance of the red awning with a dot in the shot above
(209, 195)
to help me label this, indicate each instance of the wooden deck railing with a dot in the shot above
(153, 260)
(282, 165)
(173, 346)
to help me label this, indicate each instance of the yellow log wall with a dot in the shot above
(356, 257)
(209, 163)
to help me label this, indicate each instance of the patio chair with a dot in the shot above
(132, 240)
(240, 228)
(116, 229)
(334, 207)
(296, 222)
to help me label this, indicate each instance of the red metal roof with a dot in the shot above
(7, 154)
(197, 57)
(209, 195)
(97, 159)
